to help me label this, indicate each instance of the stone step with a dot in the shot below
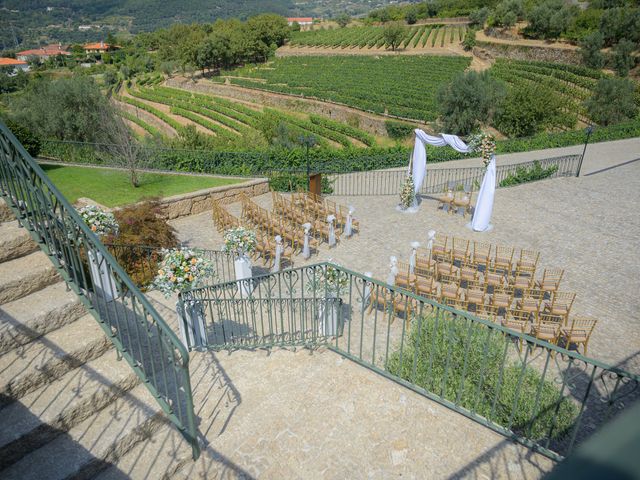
(15, 241)
(6, 214)
(30, 317)
(54, 408)
(164, 456)
(24, 369)
(25, 275)
(89, 447)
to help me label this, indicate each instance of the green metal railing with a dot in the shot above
(536, 393)
(137, 331)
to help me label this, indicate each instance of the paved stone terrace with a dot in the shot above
(588, 226)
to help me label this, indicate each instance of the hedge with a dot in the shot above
(398, 130)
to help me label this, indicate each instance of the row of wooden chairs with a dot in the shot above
(290, 211)
(265, 246)
(324, 207)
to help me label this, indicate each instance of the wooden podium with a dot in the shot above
(315, 183)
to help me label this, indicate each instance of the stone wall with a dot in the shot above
(520, 52)
(202, 200)
(367, 122)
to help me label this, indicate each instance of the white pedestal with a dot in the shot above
(103, 283)
(329, 317)
(242, 266)
(192, 324)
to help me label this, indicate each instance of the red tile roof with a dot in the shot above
(99, 46)
(4, 62)
(300, 19)
(48, 50)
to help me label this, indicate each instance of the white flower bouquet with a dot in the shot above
(485, 144)
(329, 280)
(407, 194)
(180, 270)
(239, 241)
(100, 222)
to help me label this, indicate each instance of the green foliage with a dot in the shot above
(462, 361)
(623, 59)
(469, 40)
(294, 182)
(70, 108)
(549, 19)
(479, 17)
(525, 175)
(584, 23)
(345, 129)
(620, 23)
(411, 16)
(506, 13)
(26, 137)
(398, 130)
(142, 224)
(524, 112)
(613, 101)
(393, 35)
(343, 20)
(368, 83)
(469, 100)
(590, 50)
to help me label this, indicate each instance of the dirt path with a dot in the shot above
(449, 49)
(482, 37)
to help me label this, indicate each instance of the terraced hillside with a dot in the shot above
(233, 122)
(415, 37)
(570, 85)
(404, 86)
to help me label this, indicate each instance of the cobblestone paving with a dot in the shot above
(588, 226)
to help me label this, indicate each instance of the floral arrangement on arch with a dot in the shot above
(329, 280)
(239, 241)
(407, 194)
(485, 143)
(100, 222)
(180, 270)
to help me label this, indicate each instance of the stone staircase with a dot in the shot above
(68, 407)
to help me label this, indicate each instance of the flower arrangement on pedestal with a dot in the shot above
(180, 270)
(239, 241)
(407, 194)
(328, 279)
(100, 222)
(485, 144)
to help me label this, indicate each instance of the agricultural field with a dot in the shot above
(570, 85)
(370, 37)
(403, 86)
(235, 122)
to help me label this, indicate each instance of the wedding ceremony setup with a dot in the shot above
(482, 143)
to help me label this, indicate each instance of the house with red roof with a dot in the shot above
(99, 47)
(42, 53)
(302, 21)
(12, 65)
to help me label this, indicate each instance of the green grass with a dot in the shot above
(112, 188)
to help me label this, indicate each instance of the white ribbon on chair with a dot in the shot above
(279, 252)
(306, 251)
(431, 236)
(332, 231)
(412, 258)
(393, 270)
(348, 225)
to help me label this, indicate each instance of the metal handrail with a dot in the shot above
(138, 332)
(563, 387)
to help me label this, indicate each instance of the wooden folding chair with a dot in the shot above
(503, 259)
(546, 328)
(440, 251)
(460, 250)
(550, 281)
(463, 202)
(519, 321)
(527, 263)
(445, 200)
(578, 332)
(481, 254)
(405, 279)
(560, 305)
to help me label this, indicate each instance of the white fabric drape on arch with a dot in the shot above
(484, 205)
(419, 155)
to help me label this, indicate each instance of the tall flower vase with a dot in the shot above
(192, 323)
(104, 285)
(242, 266)
(329, 317)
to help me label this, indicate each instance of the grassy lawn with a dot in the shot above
(112, 187)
